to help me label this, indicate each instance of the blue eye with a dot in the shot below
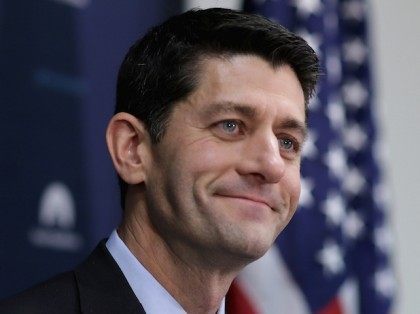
(287, 144)
(229, 129)
(229, 126)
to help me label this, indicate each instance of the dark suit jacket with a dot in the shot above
(96, 286)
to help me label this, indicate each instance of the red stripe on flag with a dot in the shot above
(237, 302)
(333, 307)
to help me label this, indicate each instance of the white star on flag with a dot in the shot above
(354, 137)
(384, 282)
(307, 7)
(355, 94)
(381, 195)
(354, 181)
(335, 113)
(331, 258)
(383, 238)
(353, 225)
(355, 51)
(309, 149)
(333, 208)
(336, 161)
(333, 65)
(306, 199)
(354, 10)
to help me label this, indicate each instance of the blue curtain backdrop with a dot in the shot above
(58, 192)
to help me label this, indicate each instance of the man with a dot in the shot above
(206, 140)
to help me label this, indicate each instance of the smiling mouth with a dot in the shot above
(250, 200)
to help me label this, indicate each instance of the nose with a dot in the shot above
(261, 158)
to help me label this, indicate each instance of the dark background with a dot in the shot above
(59, 61)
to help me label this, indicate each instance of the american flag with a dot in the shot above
(335, 256)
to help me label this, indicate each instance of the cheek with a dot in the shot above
(200, 167)
(205, 157)
(194, 166)
(293, 187)
(290, 189)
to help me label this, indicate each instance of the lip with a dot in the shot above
(251, 198)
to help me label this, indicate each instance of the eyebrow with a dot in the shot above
(293, 124)
(230, 107)
(251, 112)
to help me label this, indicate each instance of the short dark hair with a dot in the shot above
(162, 68)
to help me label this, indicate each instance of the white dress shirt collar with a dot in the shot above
(152, 295)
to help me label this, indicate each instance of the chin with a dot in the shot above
(252, 245)
(257, 252)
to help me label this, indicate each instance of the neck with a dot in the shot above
(199, 285)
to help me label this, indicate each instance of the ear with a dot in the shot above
(129, 145)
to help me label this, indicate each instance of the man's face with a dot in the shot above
(225, 178)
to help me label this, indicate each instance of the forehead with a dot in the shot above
(249, 81)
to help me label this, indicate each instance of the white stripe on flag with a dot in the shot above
(270, 286)
(348, 296)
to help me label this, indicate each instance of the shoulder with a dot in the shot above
(95, 286)
(57, 295)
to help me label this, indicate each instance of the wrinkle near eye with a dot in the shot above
(204, 139)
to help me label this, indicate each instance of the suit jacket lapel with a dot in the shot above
(103, 287)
